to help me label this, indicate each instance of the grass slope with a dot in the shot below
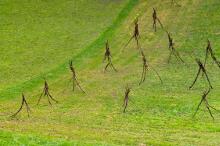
(38, 36)
(158, 115)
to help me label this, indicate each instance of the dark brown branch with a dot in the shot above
(136, 35)
(126, 98)
(74, 78)
(108, 57)
(157, 75)
(155, 20)
(145, 68)
(173, 50)
(210, 51)
(201, 68)
(178, 55)
(46, 93)
(23, 103)
(205, 100)
(206, 55)
(210, 112)
(197, 75)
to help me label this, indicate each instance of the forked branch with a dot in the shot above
(23, 103)
(201, 68)
(155, 20)
(126, 98)
(47, 94)
(108, 57)
(74, 78)
(136, 35)
(205, 101)
(172, 49)
(145, 68)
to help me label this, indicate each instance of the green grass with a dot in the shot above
(8, 139)
(38, 36)
(158, 114)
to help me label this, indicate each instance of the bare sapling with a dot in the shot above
(108, 57)
(46, 93)
(74, 77)
(146, 67)
(208, 106)
(203, 70)
(23, 103)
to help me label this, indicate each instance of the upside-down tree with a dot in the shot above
(74, 78)
(208, 106)
(46, 93)
(210, 52)
(23, 103)
(126, 98)
(145, 68)
(155, 20)
(108, 57)
(173, 50)
(203, 70)
(136, 34)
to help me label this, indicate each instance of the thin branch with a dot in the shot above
(23, 103)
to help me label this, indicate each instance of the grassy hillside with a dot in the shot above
(36, 37)
(157, 115)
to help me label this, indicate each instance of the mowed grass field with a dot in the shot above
(39, 38)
